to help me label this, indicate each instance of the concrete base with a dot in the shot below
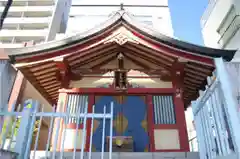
(122, 155)
(7, 154)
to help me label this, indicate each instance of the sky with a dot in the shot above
(186, 15)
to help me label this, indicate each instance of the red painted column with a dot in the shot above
(178, 77)
(89, 121)
(181, 122)
(150, 122)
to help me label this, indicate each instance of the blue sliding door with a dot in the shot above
(130, 119)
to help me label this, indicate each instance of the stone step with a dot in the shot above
(122, 155)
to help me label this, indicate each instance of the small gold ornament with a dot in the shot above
(119, 141)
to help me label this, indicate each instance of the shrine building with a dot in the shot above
(150, 78)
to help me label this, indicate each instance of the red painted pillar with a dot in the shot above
(150, 123)
(89, 121)
(181, 122)
(178, 76)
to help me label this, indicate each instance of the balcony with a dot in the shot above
(29, 2)
(23, 33)
(10, 45)
(218, 20)
(16, 38)
(29, 11)
(26, 23)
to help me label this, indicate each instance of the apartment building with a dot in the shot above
(35, 21)
(220, 24)
(86, 14)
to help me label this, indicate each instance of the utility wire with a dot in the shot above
(5, 12)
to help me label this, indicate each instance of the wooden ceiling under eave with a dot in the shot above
(96, 60)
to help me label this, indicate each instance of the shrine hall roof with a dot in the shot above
(120, 18)
(89, 53)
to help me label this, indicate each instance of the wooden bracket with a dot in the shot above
(178, 78)
(63, 72)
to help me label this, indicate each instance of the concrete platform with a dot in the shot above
(121, 155)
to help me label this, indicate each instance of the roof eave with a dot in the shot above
(54, 45)
(161, 38)
(131, 22)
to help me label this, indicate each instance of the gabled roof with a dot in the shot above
(119, 18)
(89, 52)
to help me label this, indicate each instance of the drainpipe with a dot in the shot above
(5, 12)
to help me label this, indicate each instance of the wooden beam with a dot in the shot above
(137, 62)
(151, 59)
(86, 53)
(99, 70)
(63, 74)
(168, 50)
(178, 77)
(104, 62)
(37, 85)
(120, 58)
(89, 58)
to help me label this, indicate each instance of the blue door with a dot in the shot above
(130, 119)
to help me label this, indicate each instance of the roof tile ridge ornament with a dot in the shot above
(121, 36)
(122, 11)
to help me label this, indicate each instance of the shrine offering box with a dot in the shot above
(121, 144)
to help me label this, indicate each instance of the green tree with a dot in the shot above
(9, 122)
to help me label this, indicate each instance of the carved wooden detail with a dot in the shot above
(121, 36)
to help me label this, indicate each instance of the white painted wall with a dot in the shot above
(30, 92)
(166, 139)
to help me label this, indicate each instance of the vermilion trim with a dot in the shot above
(105, 91)
(74, 126)
(179, 109)
(181, 122)
(179, 106)
(175, 150)
(137, 77)
(149, 43)
(150, 123)
(160, 47)
(71, 150)
(89, 121)
(78, 48)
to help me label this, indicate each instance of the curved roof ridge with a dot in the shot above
(68, 39)
(123, 17)
(174, 42)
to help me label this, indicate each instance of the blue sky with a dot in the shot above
(186, 16)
